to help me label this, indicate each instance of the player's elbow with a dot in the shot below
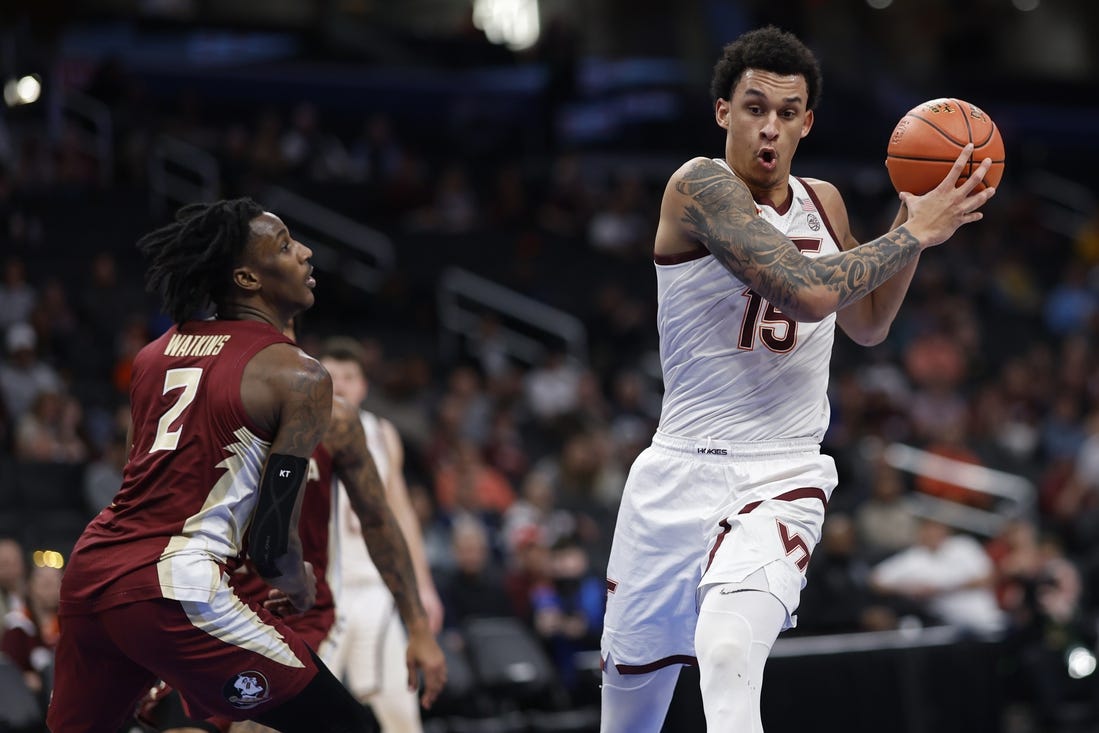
(810, 307)
(870, 336)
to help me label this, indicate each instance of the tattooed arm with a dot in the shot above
(704, 203)
(865, 321)
(290, 394)
(355, 467)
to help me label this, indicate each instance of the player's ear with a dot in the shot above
(245, 279)
(721, 113)
(808, 124)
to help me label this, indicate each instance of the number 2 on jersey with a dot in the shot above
(186, 379)
(778, 332)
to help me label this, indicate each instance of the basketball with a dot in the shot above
(928, 139)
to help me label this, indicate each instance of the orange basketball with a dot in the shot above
(927, 141)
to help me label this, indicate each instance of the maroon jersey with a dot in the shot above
(189, 488)
(314, 525)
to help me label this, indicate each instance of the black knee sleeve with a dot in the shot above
(324, 706)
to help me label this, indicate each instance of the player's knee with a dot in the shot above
(723, 641)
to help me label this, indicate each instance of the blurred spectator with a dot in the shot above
(634, 413)
(453, 208)
(536, 514)
(838, 598)
(568, 611)
(489, 347)
(508, 205)
(1062, 431)
(949, 574)
(106, 300)
(466, 484)
(55, 322)
(265, 153)
(1071, 305)
(402, 395)
(504, 449)
(300, 144)
(588, 485)
(1042, 592)
(622, 226)
(466, 387)
(376, 155)
(565, 205)
(885, 522)
(13, 575)
(446, 431)
(1076, 499)
(50, 430)
(475, 587)
(552, 388)
(103, 476)
(951, 444)
(75, 164)
(527, 571)
(133, 334)
(24, 376)
(937, 366)
(17, 296)
(32, 631)
(436, 532)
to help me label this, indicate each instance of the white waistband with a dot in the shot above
(712, 448)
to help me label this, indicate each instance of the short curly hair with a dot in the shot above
(768, 49)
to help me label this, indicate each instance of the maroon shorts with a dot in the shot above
(226, 660)
(313, 626)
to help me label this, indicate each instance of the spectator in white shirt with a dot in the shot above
(949, 574)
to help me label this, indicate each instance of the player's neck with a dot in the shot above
(235, 311)
(774, 195)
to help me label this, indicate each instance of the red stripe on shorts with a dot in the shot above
(807, 492)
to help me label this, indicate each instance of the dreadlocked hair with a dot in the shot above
(191, 259)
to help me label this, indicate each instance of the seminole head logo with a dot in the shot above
(247, 690)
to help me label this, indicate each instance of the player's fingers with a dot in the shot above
(978, 199)
(976, 177)
(955, 173)
(413, 678)
(434, 681)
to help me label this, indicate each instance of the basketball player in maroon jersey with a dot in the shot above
(342, 453)
(226, 413)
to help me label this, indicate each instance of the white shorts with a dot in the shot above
(368, 642)
(696, 513)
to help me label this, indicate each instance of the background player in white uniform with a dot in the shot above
(369, 641)
(721, 513)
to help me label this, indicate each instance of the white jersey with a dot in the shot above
(735, 368)
(355, 565)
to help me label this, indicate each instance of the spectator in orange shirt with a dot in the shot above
(466, 483)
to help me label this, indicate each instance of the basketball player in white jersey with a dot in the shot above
(754, 268)
(369, 641)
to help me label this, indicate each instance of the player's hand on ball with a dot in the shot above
(934, 217)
